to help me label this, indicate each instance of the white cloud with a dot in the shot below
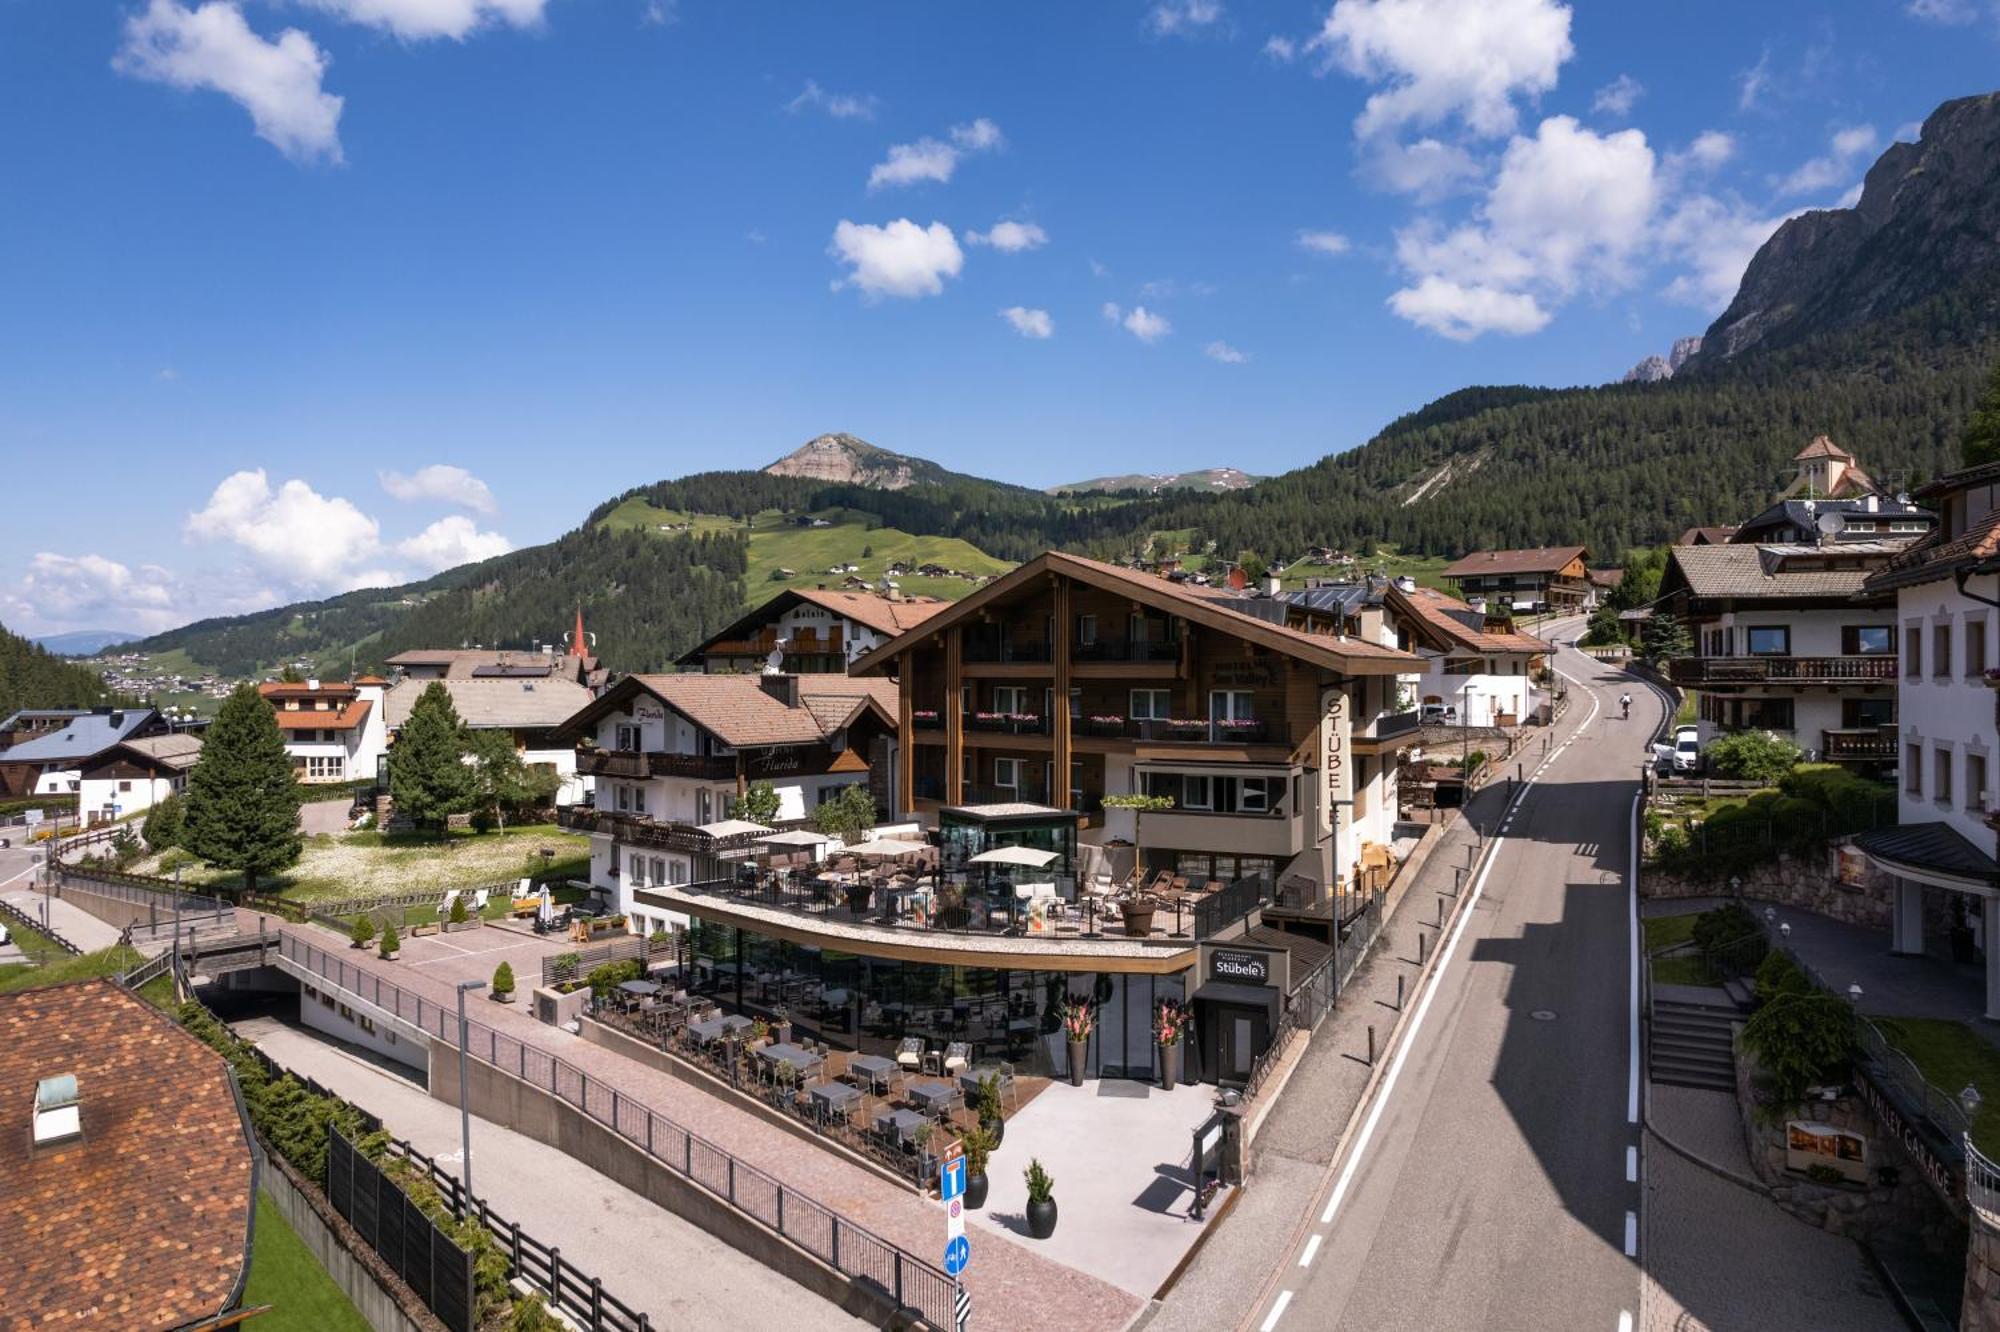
(443, 482)
(899, 259)
(1030, 323)
(1751, 82)
(1954, 12)
(1140, 322)
(1710, 149)
(450, 542)
(1428, 169)
(96, 592)
(660, 13)
(841, 106)
(1569, 208)
(420, 20)
(934, 159)
(166, 374)
(1283, 50)
(1617, 97)
(1715, 239)
(1010, 237)
(1833, 167)
(1446, 58)
(1464, 312)
(1183, 18)
(295, 534)
(1323, 242)
(1223, 352)
(277, 82)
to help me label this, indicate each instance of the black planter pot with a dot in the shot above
(1169, 1064)
(1079, 1056)
(1042, 1219)
(996, 1127)
(975, 1193)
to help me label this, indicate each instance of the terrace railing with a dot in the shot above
(1219, 911)
(854, 1251)
(1801, 670)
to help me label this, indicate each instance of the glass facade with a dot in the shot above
(870, 1004)
(961, 837)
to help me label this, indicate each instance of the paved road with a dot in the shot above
(1490, 1185)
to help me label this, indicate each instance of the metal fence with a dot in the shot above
(1982, 1184)
(413, 1246)
(1352, 941)
(1218, 911)
(20, 917)
(855, 1252)
(142, 890)
(578, 963)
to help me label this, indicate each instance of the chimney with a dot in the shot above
(1271, 585)
(118, 716)
(313, 683)
(1477, 603)
(1405, 583)
(58, 1110)
(784, 688)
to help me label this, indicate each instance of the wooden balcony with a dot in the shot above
(1177, 731)
(636, 766)
(1707, 672)
(1859, 744)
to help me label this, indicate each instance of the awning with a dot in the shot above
(1933, 853)
(1229, 992)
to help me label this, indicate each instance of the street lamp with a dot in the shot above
(465, 1114)
(1970, 1099)
(1786, 929)
(1854, 994)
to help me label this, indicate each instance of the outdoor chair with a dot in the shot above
(957, 1056)
(479, 899)
(1008, 1095)
(910, 1053)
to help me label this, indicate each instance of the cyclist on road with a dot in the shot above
(1625, 702)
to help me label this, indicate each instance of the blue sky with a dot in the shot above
(302, 295)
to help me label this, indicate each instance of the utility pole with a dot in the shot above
(464, 1113)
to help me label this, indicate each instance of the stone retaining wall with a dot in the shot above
(1807, 883)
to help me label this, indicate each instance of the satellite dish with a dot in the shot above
(1832, 523)
(774, 662)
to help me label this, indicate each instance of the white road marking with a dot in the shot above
(22, 875)
(1632, 965)
(1277, 1310)
(1624, 1320)
(1631, 1234)
(1631, 1165)
(1312, 1251)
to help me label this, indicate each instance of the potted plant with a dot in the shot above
(922, 1138)
(503, 983)
(979, 1146)
(987, 1103)
(362, 931)
(458, 912)
(1041, 1201)
(390, 943)
(1169, 1028)
(781, 1026)
(1079, 1020)
(1138, 914)
(760, 1031)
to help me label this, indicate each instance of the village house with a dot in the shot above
(333, 730)
(527, 704)
(1548, 578)
(812, 631)
(135, 775)
(1478, 669)
(53, 762)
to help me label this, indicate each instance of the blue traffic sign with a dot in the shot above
(956, 1255)
(951, 1179)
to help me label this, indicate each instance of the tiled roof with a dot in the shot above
(1985, 474)
(493, 704)
(1605, 577)
(1542, 559)
(296, 689)
(1930, 559)
(737, 710)
(175, 750)
(1712, 536)
(144, 1221)
(85, 736)
(460, 663)
(1461, 624)
(1761, 571)
(1822, 447)
(1931, 846)
(877, 612)
(312, 719)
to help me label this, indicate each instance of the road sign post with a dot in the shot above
(956, 1255)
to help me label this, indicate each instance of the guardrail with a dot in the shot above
(20, 917)
(851, 1250)
(1982, 1184)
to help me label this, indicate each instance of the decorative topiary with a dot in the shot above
(458, 913)
(362, 930)
(503, 979)
(390, 941)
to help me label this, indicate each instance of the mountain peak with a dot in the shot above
(1154, 483)
(843, 459)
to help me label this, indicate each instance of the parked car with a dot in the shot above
(1438, 712)
(1687, 749)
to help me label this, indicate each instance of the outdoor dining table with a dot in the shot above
(968, 1081)
(903, 1123)
(642, 988)
(875, 1068)
(717, 1027)
(802, 1060)
(933, 1096)
(836, 1097)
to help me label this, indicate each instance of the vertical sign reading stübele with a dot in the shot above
(1336, 781)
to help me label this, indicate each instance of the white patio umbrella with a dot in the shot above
(1015, 855)
(889, 847)
(796, 837)
(732, 828)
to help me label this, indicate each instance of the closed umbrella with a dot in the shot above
(1016, 855)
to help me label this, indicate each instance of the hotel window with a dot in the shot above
(635, 871)
(628, 737)
(1975, 782)
(704, 809)
(1086, 630)
(1007, 773)
(1230, 705)
(1975, 647)
(1913, 769)
(1913, 651)
(1765, 714)
(1941, 649)
(1867, 640)
(1010, 698)
(659, 870)
(1769, 640)
(1152, 704)
(1941, 774)
(677, 871)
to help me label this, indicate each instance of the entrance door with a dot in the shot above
(1239, 1045)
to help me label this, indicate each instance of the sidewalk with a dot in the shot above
(1022, 1282)
(616, 1235)
(72, 922)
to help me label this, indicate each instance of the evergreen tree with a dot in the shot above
(502, 782)
(1982, 431)
(429, 779)
(164, 822)
(242, 799)
(1665, 638)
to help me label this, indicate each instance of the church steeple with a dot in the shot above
(578, 644)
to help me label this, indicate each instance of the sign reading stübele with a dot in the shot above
(1245, 964)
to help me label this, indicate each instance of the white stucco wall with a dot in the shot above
(97, 793)
(1955, 714)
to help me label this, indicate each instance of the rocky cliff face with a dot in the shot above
(1655, 368)
(841, 459)
(1928, 221)
(1209, 478)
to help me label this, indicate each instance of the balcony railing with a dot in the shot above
(1700, 671)
(1389, 725)
(1121, 650)
(1006, 650)
(799, 645)
(1180, 731)
(1007, 723)
(634, 764)
(1859, 744)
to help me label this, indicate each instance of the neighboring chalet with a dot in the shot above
(1827, 471)
(333, 730)
(529, 702)
(813, 631)
(1836, 521)
(1550, 578)
(1068, 680)
(129, 1167)
(28, 723)
(1477, 666)
(1705, 536)
(542, 662)
(1946, 591)
(136, 774)
(52, 763)
(1788, 639)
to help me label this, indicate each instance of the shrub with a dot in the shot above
(1777, 975)
(362, 930)
(1753, 756)
(1729, 938)
(390, 942)
(609, 976)
(162, 826)
(1041, 1188)
(1800, 1040)
(458, 912)
(503, 979)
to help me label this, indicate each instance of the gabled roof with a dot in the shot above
(310, 719)
(864, 608)
(1805, 515)
(1822, 446)
(740, 712)
(1449, 623)
(1742, 572)
(1605, 577)
(1205, 608)
(174, 752)
(16, 720)
(145, 1220)
(1705, 536)
(527, 705)
(1928, 560)
(283, 689)
(462, 663)
(82, 738)
(1541, 559)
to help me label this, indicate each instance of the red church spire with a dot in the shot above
(577, 643)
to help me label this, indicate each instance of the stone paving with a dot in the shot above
(1023, 1282)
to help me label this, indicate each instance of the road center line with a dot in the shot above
(1277, 1310)
(1631, 1165)
(1632, 965)
(1631, 1234)
(1312, 1251)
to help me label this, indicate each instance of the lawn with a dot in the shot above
(374, 864)
(1683, 969)
(1664, 932)
(1952, 1055)
(285, 1275)
(1428, 570)
(113, 961)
